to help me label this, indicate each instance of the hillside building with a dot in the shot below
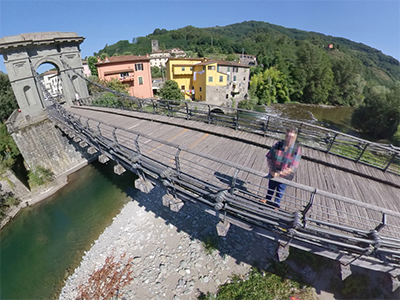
(131, 70)
(158, 58)
(216, 82)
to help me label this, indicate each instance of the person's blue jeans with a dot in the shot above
(280, 190)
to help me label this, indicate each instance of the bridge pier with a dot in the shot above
(223, 228)
(395, 283)
(283, 252)
(91, 150)
(103, 158)
(173, 203)
(143, 185)
(118, 169)
(345, 271)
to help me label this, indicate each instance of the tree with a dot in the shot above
(313, 74)
(348, 84)
(156, 72)
(93, 69)
(113, 84)
(8, 103)
(269, 87)
(231, 57)
(171, 91)
(8, 149)
(379, 115)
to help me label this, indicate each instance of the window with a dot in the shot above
(140, 78)
(210, 79)
(217, 68)
(229, 69)
(183, 68)
(234, 78)
(211, 68)
(200, 89)
(138, 67)
(235, 69)
(124, 74)
(182, 87)
(191, 68)
(221, 78)
(227, 79)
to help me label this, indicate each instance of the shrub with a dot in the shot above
(39, 175)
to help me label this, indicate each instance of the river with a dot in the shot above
(336, 118)
(45, 242)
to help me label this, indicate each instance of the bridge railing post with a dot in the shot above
(141, 105)
(362, 152)
(331, 143)
(177, 163)
(137, 144)
(233, 183)
(237, 120)
(169, 108)
(394, 154)
(308, 207)
(187, 111)
(266, 126)
(209, 114)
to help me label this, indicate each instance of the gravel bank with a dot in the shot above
(169, 260)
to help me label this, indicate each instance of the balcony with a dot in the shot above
(126, 79)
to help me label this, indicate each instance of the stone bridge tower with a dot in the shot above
(24, 53)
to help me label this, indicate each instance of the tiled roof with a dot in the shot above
(222, 63)
(231, 64)
(123, 58)
(50, 72)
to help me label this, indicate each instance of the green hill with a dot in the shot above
(262, 39)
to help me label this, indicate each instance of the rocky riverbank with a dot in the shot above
(168, 251)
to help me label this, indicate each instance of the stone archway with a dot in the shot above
(24, 53)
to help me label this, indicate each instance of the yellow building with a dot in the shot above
(216, 82)
(181, 71)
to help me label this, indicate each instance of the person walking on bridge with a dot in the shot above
(283, 160)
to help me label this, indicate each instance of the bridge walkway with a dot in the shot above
(317, 169)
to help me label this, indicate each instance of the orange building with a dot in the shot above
(129, 69)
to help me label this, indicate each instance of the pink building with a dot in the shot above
(129, 69)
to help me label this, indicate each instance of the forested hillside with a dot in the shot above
(261, 39)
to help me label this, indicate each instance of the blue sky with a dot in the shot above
(375, 23)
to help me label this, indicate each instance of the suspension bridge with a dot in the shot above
(339, 207)
(343, 203)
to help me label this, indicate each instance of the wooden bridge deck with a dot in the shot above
(317, 169)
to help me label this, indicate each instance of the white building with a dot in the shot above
(86, 69)
(52, 82)
(158, 58)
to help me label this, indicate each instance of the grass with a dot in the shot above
(210, 244)
(260, 285)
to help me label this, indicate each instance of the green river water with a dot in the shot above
(45, 242)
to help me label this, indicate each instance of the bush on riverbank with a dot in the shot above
(261, 285)
(7, 200)
(39, 175)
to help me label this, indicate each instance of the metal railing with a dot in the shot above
(352, 228)
(386, 158)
